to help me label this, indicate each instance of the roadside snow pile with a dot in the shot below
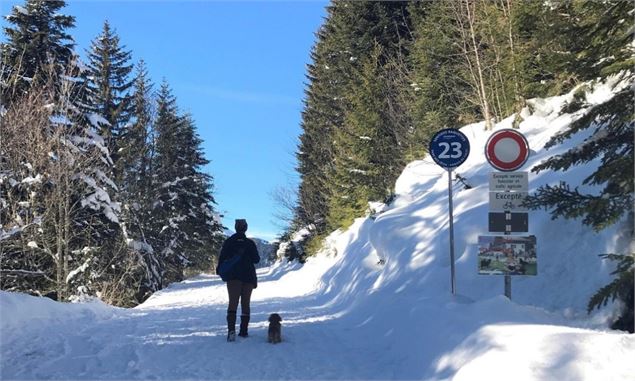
(20, 310)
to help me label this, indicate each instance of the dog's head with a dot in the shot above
(274, 318)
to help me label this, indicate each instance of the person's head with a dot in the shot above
(240, 225)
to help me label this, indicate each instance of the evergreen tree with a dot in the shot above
(67, 215)
(439, 92)
(203, 229)
(323, 112)
(612, 143)
(186, 231)
(36, 42)
(367, 147)
(135, 155)
(346, 40)
(108, 88)
(609, 52)
(136, 184)
(608, 29)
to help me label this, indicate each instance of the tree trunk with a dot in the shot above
(479, 68)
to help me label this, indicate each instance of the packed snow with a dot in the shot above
(375, 304)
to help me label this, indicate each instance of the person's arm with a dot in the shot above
(254, 253)
(223, 254)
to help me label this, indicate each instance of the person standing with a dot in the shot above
(243, 279)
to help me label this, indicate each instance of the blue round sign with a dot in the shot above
(449, 148)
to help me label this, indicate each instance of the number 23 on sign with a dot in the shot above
(449, 148)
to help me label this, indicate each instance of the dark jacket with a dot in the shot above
(239, 244)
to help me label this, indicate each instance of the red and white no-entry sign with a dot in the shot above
(507, 150)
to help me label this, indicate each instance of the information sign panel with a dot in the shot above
(507, 201)
(508, 181)
(507, 255)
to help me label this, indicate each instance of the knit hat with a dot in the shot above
(241, 225)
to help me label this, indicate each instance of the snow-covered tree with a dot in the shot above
(108, 86)
(185, 226)
(59, 209)
(37, 40)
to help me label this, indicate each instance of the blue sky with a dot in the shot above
(239, 68)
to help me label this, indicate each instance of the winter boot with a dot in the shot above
(231, 325)
(244, 323)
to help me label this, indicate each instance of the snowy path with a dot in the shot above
(180, 334)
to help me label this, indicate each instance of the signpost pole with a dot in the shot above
(508, 286)
(449, 148)
(508, 278)
(452, 276)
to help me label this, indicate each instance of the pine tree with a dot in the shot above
(367, 147)
(136, 184)
(108, 88)
(37, 42)
(186, 229)
(439, 92)
(204, 232)
(347, 39)
(608, 29)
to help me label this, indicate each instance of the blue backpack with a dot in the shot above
(226, 269)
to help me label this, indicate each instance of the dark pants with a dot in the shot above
(238, 291)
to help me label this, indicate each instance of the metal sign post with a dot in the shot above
(449, 148)
(450, 207)
(508, 282)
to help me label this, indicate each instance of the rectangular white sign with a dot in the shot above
(508, 181)
(507, 201)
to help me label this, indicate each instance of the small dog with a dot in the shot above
(275, 329)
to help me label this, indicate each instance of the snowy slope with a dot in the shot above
(348, 317)
(568, 264)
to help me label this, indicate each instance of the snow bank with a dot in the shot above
(17, 311)
(413, 237)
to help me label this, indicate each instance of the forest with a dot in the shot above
(102, 188)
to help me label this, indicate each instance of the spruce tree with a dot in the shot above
(135, 156)
(608, 29)
(439, 92)
(367, 146)
(37, 41)
(186, 229)
(108, 88)
(136, 183)
(204, 232)
(609, 53)
(63, 232)
(346, 40)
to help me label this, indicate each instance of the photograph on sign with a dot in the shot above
(507, 255)
(507, 201)
(508, 181)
